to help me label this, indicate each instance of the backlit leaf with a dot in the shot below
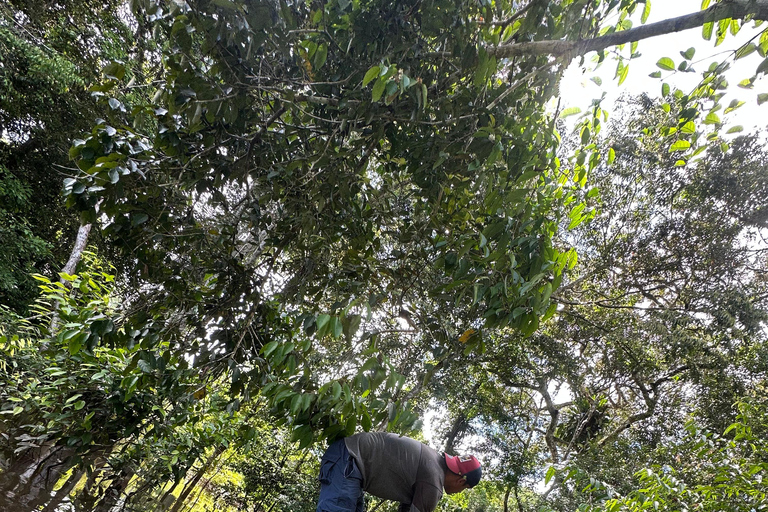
(680, 145)
(646, 11)
(666, 63)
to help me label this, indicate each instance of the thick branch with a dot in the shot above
(737, 9)
(554, 415)
(77, 250)
(74, 258)
(651, 398)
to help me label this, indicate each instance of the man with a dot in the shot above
(390, 467)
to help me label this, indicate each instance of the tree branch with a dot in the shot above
(738, 9)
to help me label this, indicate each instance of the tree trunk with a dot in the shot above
(167, 499)
(84, 500)
(77, 251)
(28, 484)
(64, 491)
(74, 258)
(115, 490)
(192, 483)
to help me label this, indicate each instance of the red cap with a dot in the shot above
(465, 465)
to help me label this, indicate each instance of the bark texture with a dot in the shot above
(736, 9)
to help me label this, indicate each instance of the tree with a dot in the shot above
(49, 53)
(713, 472)
(662, 318)
(343, 208)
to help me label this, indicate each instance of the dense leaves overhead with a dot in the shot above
(324, 164)
(333, 216)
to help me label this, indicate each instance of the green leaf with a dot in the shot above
(611, 156)
(366, 421)
(646, 11)
(138, 218)
(336, 327)
(371, 74)
(664, 89)
(763, 67)
(585, 135)
(762, 98)
(706, 30)
(225, 4)
(549, 475)
(351, 325)
(269, 348)
(735, 27)
(688, 128)
(745, 50)
(570, 112)
(79, 405)
(680, 145)
(378, 89)
(623, 73)
(76, 343)
(351, 425)
(735, 104)
(689, 53)
(655, 74)
(712, 118)
(322, 323)
(114, 70)
(735, 129)
(320, 56)
(666, 64)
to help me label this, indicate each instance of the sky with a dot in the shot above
(580, 90)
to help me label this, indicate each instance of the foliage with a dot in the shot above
(663, 317)
(267, 221)
(326, 216)
(48, 51)
(723, 473)
(22, 248)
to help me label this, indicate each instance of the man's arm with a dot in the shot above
(425, 498)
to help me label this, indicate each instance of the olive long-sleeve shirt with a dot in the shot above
(399, 469)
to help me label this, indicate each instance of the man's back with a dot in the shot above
(398, 468)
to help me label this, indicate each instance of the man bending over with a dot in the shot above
(390, 467)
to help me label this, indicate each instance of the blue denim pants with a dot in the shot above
(341, 483)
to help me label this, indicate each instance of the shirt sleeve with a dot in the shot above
(425, 498)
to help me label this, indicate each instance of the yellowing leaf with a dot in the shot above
(467, 334)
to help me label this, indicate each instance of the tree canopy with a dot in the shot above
(312, 218)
